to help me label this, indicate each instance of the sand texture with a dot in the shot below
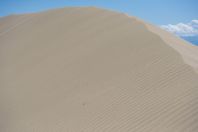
(86, 69)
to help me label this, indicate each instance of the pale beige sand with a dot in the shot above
(93, 70)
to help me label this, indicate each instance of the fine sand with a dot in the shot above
(93, 70)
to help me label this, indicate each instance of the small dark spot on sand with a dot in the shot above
(84, 104)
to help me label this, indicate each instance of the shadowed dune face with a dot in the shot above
(94, 70)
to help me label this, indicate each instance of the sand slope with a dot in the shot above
(94, 70)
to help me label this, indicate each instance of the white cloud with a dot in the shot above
(183, 29)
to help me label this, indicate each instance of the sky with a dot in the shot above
(176, 16)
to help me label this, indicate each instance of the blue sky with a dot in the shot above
(169, 13)
(156, 11)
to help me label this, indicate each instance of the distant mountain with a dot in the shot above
(192, 39)
(187, 31)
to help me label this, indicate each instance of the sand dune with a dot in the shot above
(94, 70)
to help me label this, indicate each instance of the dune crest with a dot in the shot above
(93, 70)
